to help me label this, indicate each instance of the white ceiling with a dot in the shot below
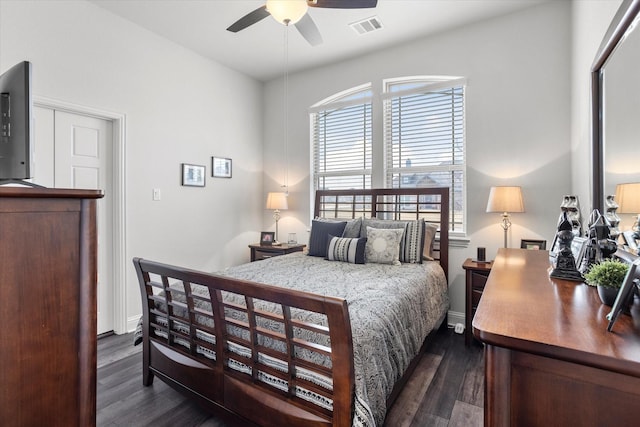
(258, 51)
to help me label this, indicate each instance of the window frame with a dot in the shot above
(424, 84)
(379, 137)
(359, 95)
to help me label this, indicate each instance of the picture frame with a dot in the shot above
(553, 251)
(578, 249)
(193, 175)
(630, 239)
(625, 294)
(267, 238)
(221, 167)
(533, 244)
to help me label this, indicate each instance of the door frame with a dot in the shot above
(118, 213)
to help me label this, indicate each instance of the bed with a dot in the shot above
(300, 339)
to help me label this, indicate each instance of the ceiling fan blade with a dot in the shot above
(309, 30)
(343, 4)
(249, 19)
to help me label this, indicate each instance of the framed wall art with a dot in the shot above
(193, 175)
(220, 167)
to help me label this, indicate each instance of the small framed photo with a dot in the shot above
(193, 175)
(578, 249)
(554, 247)
(267, 238)
(220, 167)
(630, 239)
(533, 244)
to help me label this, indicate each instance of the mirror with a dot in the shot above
(622, 124)
(615, 97)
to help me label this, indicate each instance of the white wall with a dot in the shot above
(179, 108)
(518, 120)
(590, 20)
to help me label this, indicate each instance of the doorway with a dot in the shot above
(79, 148)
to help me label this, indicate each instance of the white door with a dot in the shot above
(73, 151)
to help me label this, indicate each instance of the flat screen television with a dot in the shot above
(15, 123)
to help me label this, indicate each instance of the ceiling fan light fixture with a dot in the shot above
(287, 12)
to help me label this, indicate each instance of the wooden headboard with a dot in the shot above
(432, 204)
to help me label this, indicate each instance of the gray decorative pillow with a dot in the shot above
(351, 230)
(429, 237)
(346, 249)
(319, 237)
(412, 247)
(383, 245)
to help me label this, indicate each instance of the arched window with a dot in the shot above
(341, 133)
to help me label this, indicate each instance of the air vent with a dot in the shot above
(367, 25)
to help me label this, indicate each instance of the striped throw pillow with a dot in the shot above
(346, 249)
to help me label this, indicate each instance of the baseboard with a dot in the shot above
(454, 317)
(132, 322)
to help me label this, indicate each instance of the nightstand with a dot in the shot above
(259, 252)
(477, 274)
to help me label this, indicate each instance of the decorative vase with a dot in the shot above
(607, 295)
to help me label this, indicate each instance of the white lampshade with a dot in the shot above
(628, 198)
(277, 201)
(287, 12)
(505, 199)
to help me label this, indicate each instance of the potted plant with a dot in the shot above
(607, 276)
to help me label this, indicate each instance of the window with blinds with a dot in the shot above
(342, 142)
(424, 139)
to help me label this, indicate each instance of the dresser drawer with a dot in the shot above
(475, 298)
(478, 280)
(264, 254)
(476, 276)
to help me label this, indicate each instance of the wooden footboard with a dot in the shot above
(213, 338)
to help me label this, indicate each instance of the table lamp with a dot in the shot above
(505, 200)
(277, 202)
(628, 198)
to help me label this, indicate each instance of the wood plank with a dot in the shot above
(408, 402)
(472, 390)
(465, 415)
(442, 394)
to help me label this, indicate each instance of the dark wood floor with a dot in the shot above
(445, 390)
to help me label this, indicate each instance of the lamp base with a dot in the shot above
(276, 243)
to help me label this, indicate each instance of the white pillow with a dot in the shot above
(383, 245)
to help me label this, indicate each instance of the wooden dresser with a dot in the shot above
(549, 359)
(48, 307)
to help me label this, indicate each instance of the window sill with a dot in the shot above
(459, 241)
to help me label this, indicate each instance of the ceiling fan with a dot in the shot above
(295, 12)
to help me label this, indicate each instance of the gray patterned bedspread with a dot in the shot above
(391, 308)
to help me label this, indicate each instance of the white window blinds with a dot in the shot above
(342, 144)
(424, 139)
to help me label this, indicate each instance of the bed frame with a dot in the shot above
(182, 357)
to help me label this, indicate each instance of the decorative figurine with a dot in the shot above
(571, 205)
(611, 207)
(599, 246)
(565, 263)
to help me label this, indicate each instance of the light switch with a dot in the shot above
(156, 194)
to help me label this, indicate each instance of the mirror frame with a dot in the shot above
(624, 17)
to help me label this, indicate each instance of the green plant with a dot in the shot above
(608, 273)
